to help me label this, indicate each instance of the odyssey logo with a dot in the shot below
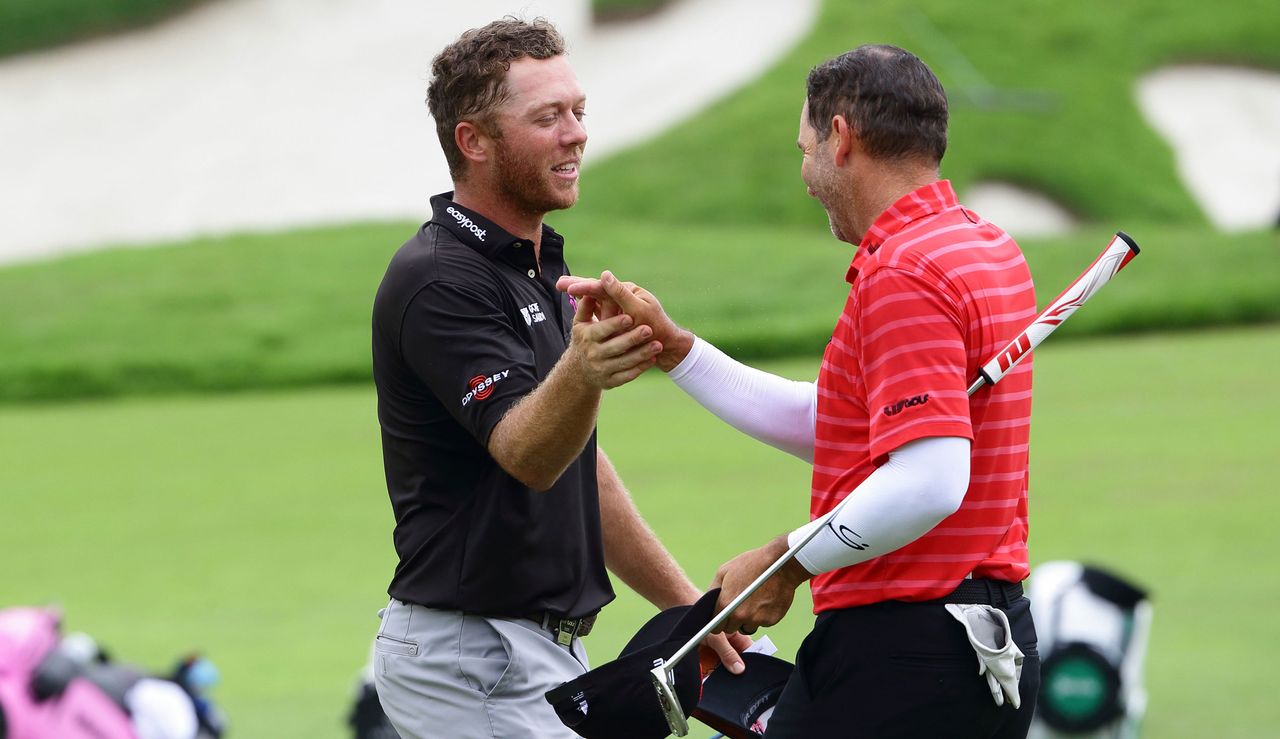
(482, 386)
(896, 408)
(466, 223)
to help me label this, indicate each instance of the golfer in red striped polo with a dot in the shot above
(922, 628)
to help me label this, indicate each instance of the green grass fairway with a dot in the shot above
(29, 25)
(291, 309)
(255, 526)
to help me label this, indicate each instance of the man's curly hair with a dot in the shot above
(468, 78)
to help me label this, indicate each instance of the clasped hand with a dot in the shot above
(612, 350)
(607, 296)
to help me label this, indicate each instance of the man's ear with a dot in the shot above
(472, 141)
(844, 140)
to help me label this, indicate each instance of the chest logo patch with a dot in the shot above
(896, 408)
(532, 314)
(482, 386)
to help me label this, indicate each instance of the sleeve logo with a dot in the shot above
(896, 408)
(482, 386)
(851, 538)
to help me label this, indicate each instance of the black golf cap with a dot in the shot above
(732, 704)
(617, 700)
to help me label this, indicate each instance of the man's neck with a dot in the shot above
(877, 194)
(513, 220)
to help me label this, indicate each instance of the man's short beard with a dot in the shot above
(526, 183)
(828, 194)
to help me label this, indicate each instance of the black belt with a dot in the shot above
(996, 593)
(564, 629)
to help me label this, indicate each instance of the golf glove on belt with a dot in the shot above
(999, 659)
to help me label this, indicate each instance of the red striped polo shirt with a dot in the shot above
(936, 292)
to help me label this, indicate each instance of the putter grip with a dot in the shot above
(1118, 253)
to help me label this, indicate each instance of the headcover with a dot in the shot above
(617, 700)
(734, 704)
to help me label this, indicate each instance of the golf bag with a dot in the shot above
(367, 719)
(67, 688)
(1093, 628)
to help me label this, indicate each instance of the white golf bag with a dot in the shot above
(367, 719)
(1093, 629)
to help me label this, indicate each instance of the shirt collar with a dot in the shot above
(490, 239)
(924, 201)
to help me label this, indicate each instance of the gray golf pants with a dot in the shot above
(446, 675)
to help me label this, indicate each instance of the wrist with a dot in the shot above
(573, 374)
(674, 349)
(793, 572)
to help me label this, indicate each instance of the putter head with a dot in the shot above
(663, 682)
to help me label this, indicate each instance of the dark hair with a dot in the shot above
(890, 98)
(468, 78)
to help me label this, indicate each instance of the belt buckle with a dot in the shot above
(566, 630)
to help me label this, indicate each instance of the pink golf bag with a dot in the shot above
(81, 711)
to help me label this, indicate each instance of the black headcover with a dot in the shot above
(732, 704)
(617, 700)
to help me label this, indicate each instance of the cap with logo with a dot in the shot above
(617, 700)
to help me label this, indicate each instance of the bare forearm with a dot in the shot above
(542, 434)
(632, 551)
(538, 438)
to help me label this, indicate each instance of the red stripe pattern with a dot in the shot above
(936, 291)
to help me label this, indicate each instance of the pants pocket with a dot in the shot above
(935, 660)
(484, 655)
(391, 645)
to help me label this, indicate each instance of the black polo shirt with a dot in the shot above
(464, 326)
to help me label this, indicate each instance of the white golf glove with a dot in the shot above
(999, 659)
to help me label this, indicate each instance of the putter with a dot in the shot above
(1118, 253)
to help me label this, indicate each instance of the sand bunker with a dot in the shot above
(1224, 126)
(1018, 210)
(261, 114)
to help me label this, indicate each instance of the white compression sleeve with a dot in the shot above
(780, 412)
(923, 482)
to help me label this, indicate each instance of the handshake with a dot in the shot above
(620, 330)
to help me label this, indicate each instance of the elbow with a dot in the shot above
(944, 477)
(535, 471)
(935, 504)
(540, 483)
(940, 495)
(537, 479)
(527, 465)
(949, 503)
(948, 494)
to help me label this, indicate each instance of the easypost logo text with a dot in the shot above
(466, 223)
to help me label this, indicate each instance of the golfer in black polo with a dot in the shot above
(489, 381)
